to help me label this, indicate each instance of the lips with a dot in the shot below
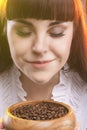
(40, 64)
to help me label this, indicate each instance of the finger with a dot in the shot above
(1, 125)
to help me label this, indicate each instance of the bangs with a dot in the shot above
(41, 9)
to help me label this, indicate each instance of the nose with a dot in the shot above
(40, 45)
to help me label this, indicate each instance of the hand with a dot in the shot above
(1, 125)
(77, 127)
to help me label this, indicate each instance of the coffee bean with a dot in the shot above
(40, 111)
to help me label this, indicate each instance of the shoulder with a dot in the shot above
(77, 87)
(7, 78)
(74, 79)
(7, 75)
(10, 85)
(8, 88)
(77, 93)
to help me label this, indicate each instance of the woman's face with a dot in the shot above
(39, 48)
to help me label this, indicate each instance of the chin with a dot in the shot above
(41, 81)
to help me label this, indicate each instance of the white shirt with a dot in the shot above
(71, 90)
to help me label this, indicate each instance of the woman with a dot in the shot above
(45, 53)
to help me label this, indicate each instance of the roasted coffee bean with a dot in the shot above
(40, 111)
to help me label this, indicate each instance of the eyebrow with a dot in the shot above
(55, 23)
(30, 24)
(24, 22)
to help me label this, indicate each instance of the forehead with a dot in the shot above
(40, 9)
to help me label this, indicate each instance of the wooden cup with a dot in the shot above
(11, 122)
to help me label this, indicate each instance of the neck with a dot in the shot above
(38, 91)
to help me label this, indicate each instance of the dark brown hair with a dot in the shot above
(61, 10)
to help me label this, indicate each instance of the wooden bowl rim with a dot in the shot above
(70, 110)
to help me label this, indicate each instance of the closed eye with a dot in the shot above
(56, 35)
(23, 34)
(57, 31)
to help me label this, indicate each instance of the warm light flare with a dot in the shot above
(2, 7)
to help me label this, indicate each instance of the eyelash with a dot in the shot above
(57, 35)
(23, 34)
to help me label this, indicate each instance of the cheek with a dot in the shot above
(18, 46)
(61, 48)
